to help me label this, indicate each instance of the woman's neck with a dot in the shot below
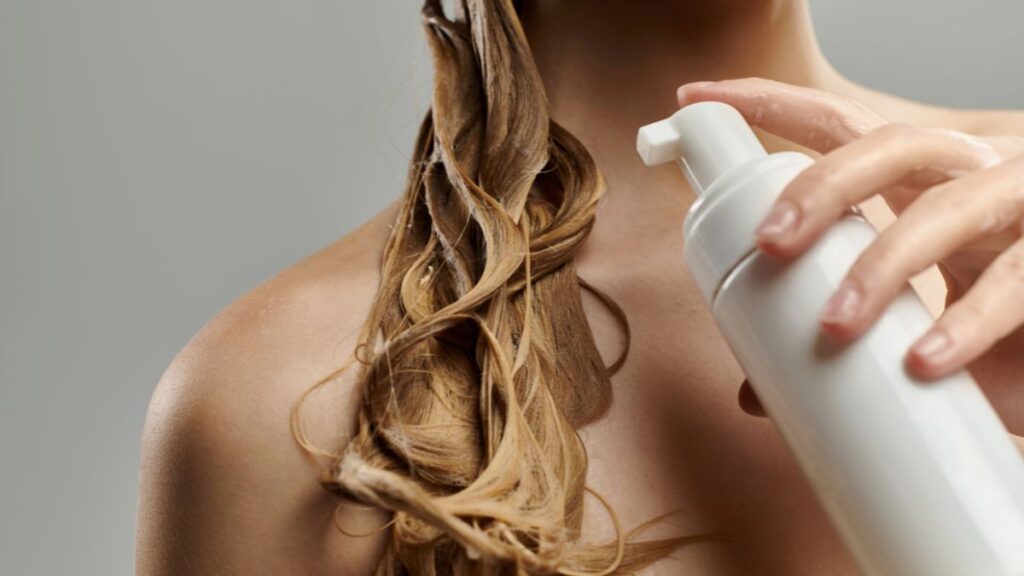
(610, 67)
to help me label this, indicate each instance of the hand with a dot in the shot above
(959, 201)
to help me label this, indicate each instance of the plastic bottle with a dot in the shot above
(920, 479)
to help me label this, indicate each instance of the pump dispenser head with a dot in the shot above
(709, 138)
(735, 179)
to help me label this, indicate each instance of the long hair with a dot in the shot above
(477, 364)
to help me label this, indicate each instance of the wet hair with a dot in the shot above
(477, 365)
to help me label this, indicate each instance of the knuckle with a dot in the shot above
(949, 199)
(813, 185)
(969, 311)
(883, 267)
(855, 119)
(867, 271)
(942, 198)
(897, 132)
(836, 107)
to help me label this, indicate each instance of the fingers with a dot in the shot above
(991, 309)
(938, 223)
(944, 219)
(812, 118)
(885, 157)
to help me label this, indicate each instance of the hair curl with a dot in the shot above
(477, 364)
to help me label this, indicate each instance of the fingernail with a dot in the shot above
(935, 344)
(780, 222)
(681, 92)
(843, 305)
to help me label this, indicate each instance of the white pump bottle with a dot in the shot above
(920, 479)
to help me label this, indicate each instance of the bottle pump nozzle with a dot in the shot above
(709, 138)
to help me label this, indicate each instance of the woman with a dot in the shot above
(483, 308)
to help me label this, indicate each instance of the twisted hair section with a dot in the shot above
(477, 364)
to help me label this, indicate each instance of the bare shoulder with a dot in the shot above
(224, 486)
(992, 122)
(980, 122)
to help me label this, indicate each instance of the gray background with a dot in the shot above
(160, 158)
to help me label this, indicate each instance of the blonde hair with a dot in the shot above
(477, 364)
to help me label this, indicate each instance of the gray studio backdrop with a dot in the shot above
(159, 158)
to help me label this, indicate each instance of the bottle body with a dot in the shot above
(918, 478)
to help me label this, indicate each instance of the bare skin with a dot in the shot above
(225, 490)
